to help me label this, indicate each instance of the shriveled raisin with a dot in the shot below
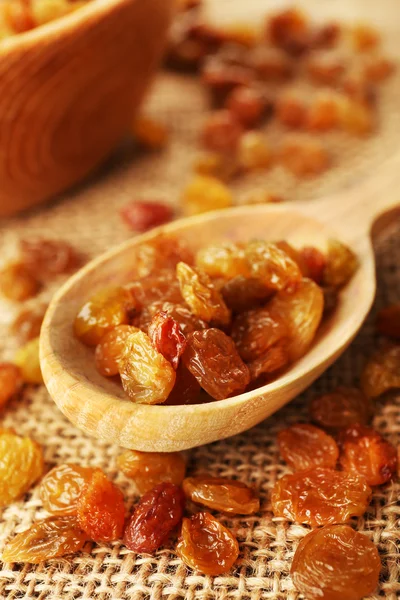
(248, 104)
(206, 545)
(256, 331)
(111, 349)
(223, 494)
(221, 132)
(100, 509)
(47, 258)
(104, 311)
(155, 516)
(10, 382)
(161, 254)
(304, 157)
(143, 215)
(21, 464)
(17, 282)
(326, 35)
(27, 359)
(382, 372)
(304, 446)
(167, 337)
(271, 265)
(188, 322)
(223, 260)
(274, 359)
(340, 408)
(254, 151)
(186, 389)
(211, 356)
(335, 562)
(205, 193)
(147, 377)
(289, 30)
(156, 287)
(241, 293)
(388, 321)
(364, 451)
(148, 469)
(27, 324)
(50, 538)
(341, 264)
(60, 488)
(320, 496)
(313, 261)
(202, 297)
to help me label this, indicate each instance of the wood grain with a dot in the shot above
(68, 93)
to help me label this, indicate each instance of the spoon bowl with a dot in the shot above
(98, 405)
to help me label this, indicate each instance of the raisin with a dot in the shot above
(162, 254)
(320, 496)
(147, 377)
(326, 36)
(60, 488)
(223, 260)
(301, 311)
(331, 300)
(256, 331)
(155, 516)
(213, 164)
(27, 359)
(323, 113)
(211, 356)
(326, 68)
(341, 264)
(148, 469)
(141, 216)
(100, 509)
(340, 408)
(219, 493)
(289, 30)
(364, 451)
(271, 265)
(272, 361)
(365, 37)
(50, 538)
(201, 296)
(17, 282)
(356, 87)
(356, 117)
(304, 446)
(248, 105)
(28, 323)
(156, 287)
(206, 545)
(21, 464)
(104, 311)
(382, 372)
(304, 157)
(47, 258)
(111, 349)
(388, 321)
(205, 193)
(254, 151)
(313, 261)
(271, 64)
(377, 69)
(335, 562)
(221, 132)
(220, 78)
(182, 315)
(167, 337)
(291, 110)
(188, 43)
(186, 389)
(241, 293)
(10, 382)
(149, 133)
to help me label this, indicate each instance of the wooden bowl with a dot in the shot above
(68, 92)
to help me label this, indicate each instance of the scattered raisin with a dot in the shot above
(219, 493)
(304, 446)
(17, 282)
(47, 258)
(254, 151)
(220, 77)
(206, 545)
(248, 105)
(388, 321)
(320, 496)
(335, 562)
(148, 469)
(343, 407)
(27, 359)
(289, 30)
(60, 488)
(271, 64)
(323, 113)
(141, 216)
(211, 356)
(377, 69)
(382, 372)
(205, 193)
(291, 110)
(356, 117)
(221, 131)
(325, 68)
(155, 516)
(151, 134)
(365, 37)
(100, 509)
(28, 323)
(167, 337)
(10, 382)
(302, 156)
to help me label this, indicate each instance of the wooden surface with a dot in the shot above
(68, 93)
(98, 406)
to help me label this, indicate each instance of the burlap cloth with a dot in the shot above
(89, 218)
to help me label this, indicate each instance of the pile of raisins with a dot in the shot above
(206, 327)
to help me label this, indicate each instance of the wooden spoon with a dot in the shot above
(99, 407)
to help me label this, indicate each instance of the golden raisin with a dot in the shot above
(60, 488)
(28, 323)
(304, 446)
(50, 538)
(219, 493)
(304, 157)
(320, 496)
(340, 408)
(201, 296)
(205, 193)
(341, 264)
(323, 113)
(100, 509)
(382, 372)
(206, 545)
(254, 151)
(364, 451)
(27, 359)
(17, 282)
(21, 464)
(271, 265)
(111, 349)
(148, 469)
(10, 382)
(215, 165)
(335, 562)
(160, 256)
(223, 260)
(147, 377)
(356, 117)
(211, 356)
(388, 321)
(364, 37)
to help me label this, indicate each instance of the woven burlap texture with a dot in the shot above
(88, 217)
